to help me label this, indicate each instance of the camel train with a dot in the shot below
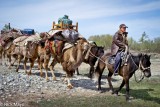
(69, 48)
(63, 43)
(45, 45)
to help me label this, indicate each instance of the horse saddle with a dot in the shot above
(124, 58)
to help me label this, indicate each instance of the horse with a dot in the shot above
(135, 62)
(70, 58)
(94, 53)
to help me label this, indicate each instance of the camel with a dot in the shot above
(29, 51)
(27, 48)
(6, 41)
(69, 58)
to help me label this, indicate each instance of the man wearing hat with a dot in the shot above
(119, 45)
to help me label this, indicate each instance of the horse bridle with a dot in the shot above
(142, 70)
(140, 65)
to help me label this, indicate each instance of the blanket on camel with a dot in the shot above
(21, 41)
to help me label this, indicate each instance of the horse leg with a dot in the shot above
(98, 72)
(51, 66)
(121, 86)
(127, 89)
(77, 71)
(109, 82)
(91, 71)
(99, 80)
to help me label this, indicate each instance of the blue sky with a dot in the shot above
(94, 16)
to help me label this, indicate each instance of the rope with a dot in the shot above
(142, 76)
(98, 58)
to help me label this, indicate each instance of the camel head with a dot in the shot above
(83, 44)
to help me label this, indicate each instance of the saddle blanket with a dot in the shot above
(21, 41)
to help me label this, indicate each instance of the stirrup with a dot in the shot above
(116, 73)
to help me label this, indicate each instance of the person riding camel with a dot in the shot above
(119, 45)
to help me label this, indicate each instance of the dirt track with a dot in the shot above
(19, 88)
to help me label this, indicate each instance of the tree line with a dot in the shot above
(144, 44)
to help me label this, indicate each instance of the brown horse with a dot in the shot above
(70, 58)
(135, 62)
(95, 52)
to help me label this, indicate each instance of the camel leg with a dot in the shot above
(51, 66)
(70, 86)
(46, 61)
(109, 82)
(1, 58)
(9, 61)
(15, 59)
(40, 67)
(25, 61)
(19, 60)
(39, 63)
(31, 65)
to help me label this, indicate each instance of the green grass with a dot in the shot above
(145, 94)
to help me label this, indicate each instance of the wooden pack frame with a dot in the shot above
(64, 26)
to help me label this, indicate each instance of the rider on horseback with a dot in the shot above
(119, 45)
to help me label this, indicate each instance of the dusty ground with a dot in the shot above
(19, 89)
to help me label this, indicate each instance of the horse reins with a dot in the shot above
(143, 69)
(98, 58)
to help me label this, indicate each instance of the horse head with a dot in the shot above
(145, 65)
(100, 51)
